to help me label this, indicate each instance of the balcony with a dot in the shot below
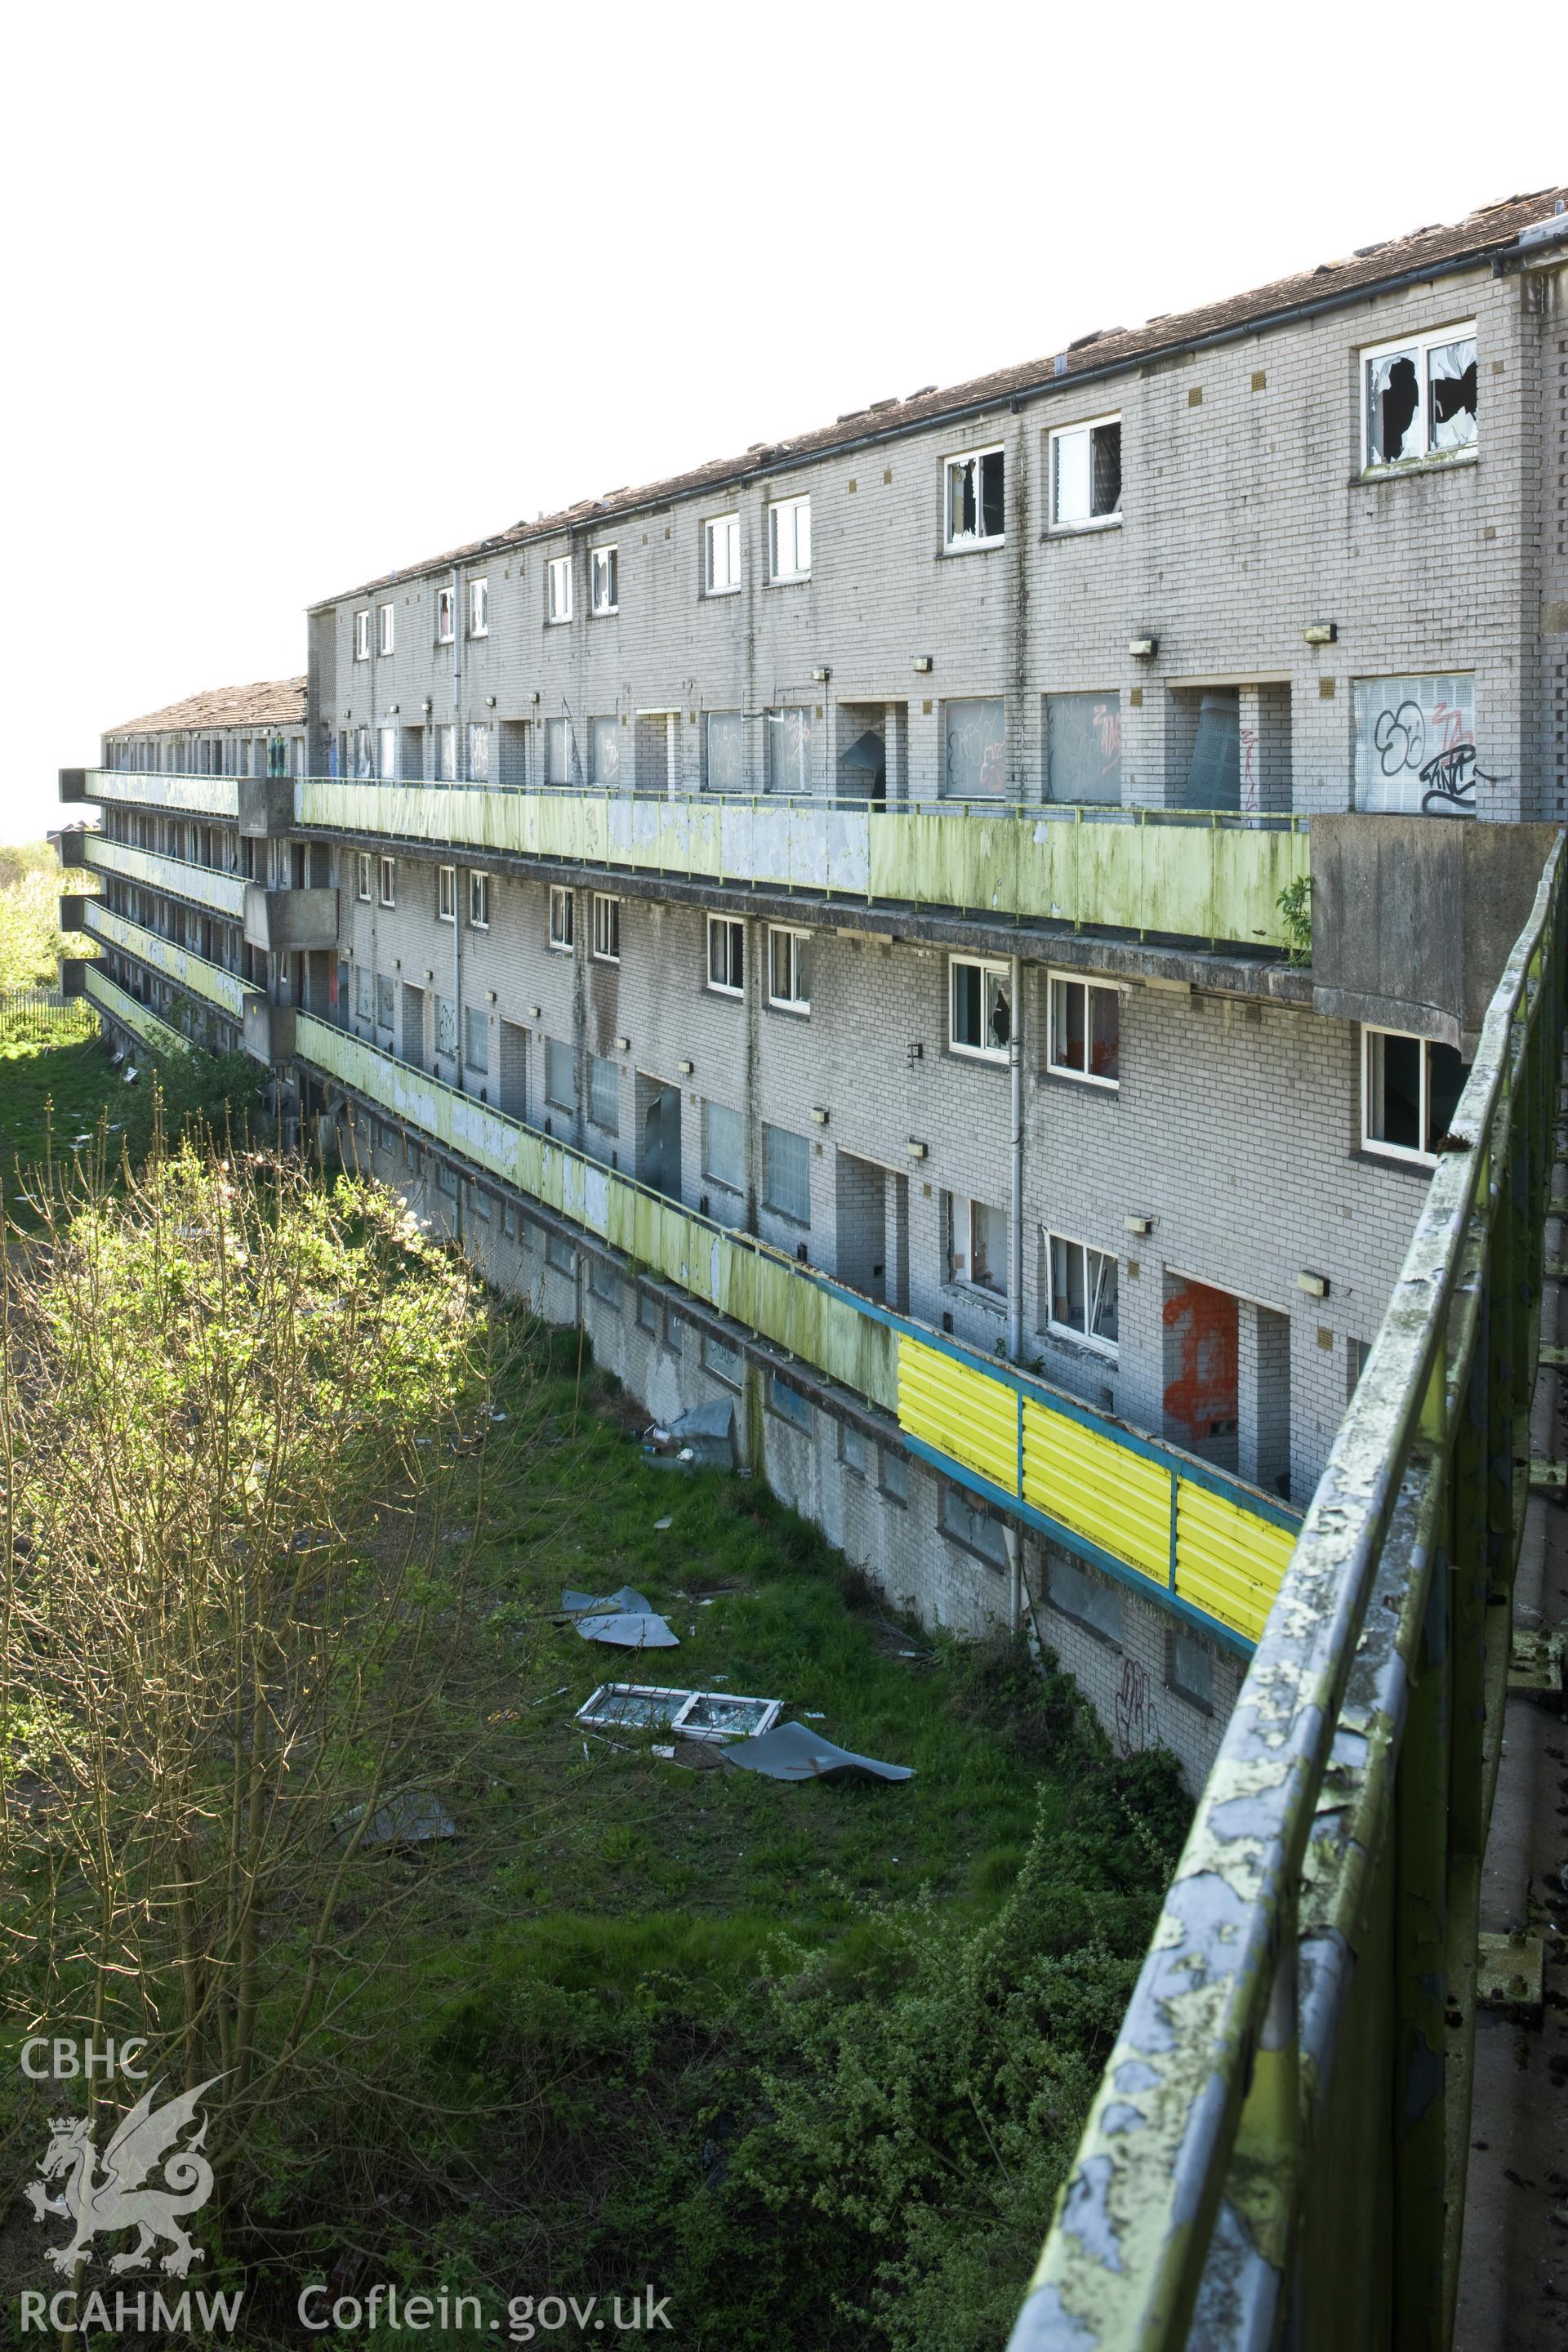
(191, 973)
(1145, 1512)
(117, 1004)
(282, 920)
(1143, 871)
(176, 795)
(198, 885)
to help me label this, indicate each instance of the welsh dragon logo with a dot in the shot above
(101, 2203)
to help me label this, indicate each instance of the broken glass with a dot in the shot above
(976, 505)
(1105, 467)
(1394, 403)
(1451, 383)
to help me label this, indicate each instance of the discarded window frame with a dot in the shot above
(711, 1716)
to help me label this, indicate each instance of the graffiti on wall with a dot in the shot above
(1137, 1718)
(1202, 1396)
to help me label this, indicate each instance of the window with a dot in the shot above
(786, 1174)
(648, 1311)
(558, 1088)
(723, 1147)
(558, 588)
(362, 874)
(364, 994)
(1410, 1091)
(1084, 1039)
(604, 1094)
(981, 1015)
(560, 1253)
(721, 541)
(1086, 475)
(724, 745)
(477, 1039)
(788, 1404)
(560, 751)
(895, 1477)
(447, 894)
(386, 766)
(853, 1448)
(1094, 1600)
(478, 754)
(509, 1220)
(605, 763)
(976, 1243)
(605, 1282)
(605, 566)
(789, 539)
(791, 740)
(362, 751)
(674, 1330)
(387, 618)
(725, 1362)
(388, 881)
(1420, 397)
(976, 505)
(975, 748)
(1083, 749)
(606, 928)
(1082, 1289)
(446, 615)
(362, 637)
(1189, 1667)
(965, 1521)
(447, 754)
(562, 923)
(478, 608)
(789, 970)
(1415, 744)
(446, 1177)
(446, 1027)
(726, 955)
(480, 901)
(479, 1203)
(386, 1000)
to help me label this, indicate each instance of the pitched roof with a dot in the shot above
(1489, 230)
(271, 702)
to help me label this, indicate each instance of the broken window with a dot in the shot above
(477, 1040)
(723, 1150)
(1421, 397)
(447, 894)
(975, 748)
(1086, 474)
(1085, 1036)
(976, 1243)
(790, 738)
(1083, 749)
(789, 970)
(362, 637)
(710, 1716)
(446, 615)
(604, 569)
(560, 751)
(981, 1009)
(789, 539)
(726, 955)
(605, 753)
(1082, 1289)
(558, 1088)
(721, 541)
(1077, 1593)
(976, 503)
(478, 608)
(788, 1404)
(363, 763)
(604, 1094)
(362, 874)
(558, 588)
(853, 1449)
(560, 1253)
(560, 919)
(478, 902)
(1415, 744)
(786, 1174)
(1214, 772)
(726, 751)
(1410, 1091)
(725, 1362)
(388, 620)
(445, 1026)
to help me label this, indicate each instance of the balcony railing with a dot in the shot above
(1186, 874)
(180, 795)
(122, 1006)
(202, 886)
(191, 973)
(1144, 1511)
(1282, 2131)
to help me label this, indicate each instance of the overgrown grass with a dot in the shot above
(63, 1098)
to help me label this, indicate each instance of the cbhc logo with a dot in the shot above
(67, 2060)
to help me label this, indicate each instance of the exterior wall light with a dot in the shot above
(1316, 1285)
(916, 1150)
(921, 665)
(1143, 648)
(686, 1068)
(1139, 1224)
(1321, 633)
(819, 1117)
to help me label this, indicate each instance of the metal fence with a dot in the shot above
(42, 1016)
(1278, 2143)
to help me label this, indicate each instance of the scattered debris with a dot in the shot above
(659, 1526)
(695, 1715)
(703, 1438)
(628, 1619)
(790, 1752)
(415, 1818)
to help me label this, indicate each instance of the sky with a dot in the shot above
(298, 294)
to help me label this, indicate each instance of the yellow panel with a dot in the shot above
(960, 1411)
(1228, 1561)
(1119, 1499)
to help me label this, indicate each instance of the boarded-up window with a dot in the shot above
(1415, 744)
(792, 736)
(604, 1094)
(445, 1026)
(558, 1086)
(605, 751)
(975, 748)
(1083, 749)
(726, 766)
(723, 1151)
(786, 1174)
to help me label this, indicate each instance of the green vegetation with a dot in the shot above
(31, 941)
(57, 1101)
(1295, 904)
(810, 2059)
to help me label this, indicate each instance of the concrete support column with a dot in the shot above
(1263, 1394)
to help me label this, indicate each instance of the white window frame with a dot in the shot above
(729, 525)
(1064, 979)
(445, 616)
(1430, 338)
(445, 894)
(730, 928)
(362, 876)
(606, 927)
(563, 919)
(478, 900)
(386, 628)
(388, 881)
(362, 636)
(965, 544)
(966, 1203)
(988, 969)
(479, 607)
(1088, 521)
(558, 590)
(1086, 1337)
(794, 1003)
(785, 538)
(1375, 1144)
(605, 573)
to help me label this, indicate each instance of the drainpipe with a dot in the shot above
(457, 623)
(1015, 1575)
(1015, 1202)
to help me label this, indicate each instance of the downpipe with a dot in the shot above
(1015, 1199)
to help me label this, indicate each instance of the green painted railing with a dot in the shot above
(179, 795)
(1213, 1547)
(1193, 874)
(193, 973)
(202, 884)
(1279, 2141)
(120, 1005)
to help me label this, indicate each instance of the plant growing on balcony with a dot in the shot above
(1294, 905)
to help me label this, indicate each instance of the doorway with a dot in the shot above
(1201, 1370)
(658, 1137)
(413, 1025)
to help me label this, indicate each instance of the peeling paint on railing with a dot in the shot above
(202, 884)
(182, 795)
(193, 973)
(119, 1005)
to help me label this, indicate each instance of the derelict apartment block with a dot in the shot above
(836, 922)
